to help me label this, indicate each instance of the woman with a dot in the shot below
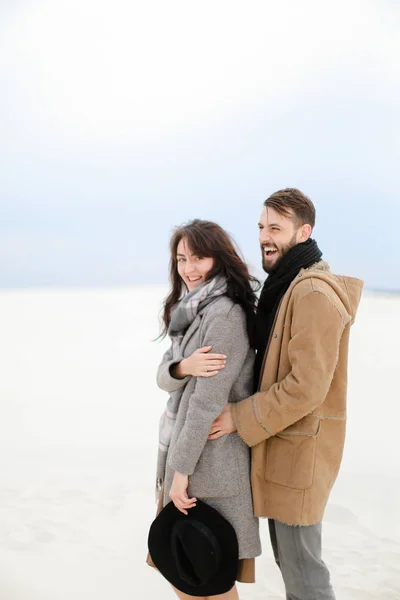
(210, 307)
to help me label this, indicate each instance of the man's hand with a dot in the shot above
(178, 493)
(223, 424)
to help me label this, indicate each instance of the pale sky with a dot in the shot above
(120, 120)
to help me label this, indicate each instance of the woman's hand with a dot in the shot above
(199, 364)
(178, 493)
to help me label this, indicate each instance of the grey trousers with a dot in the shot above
(297, 551)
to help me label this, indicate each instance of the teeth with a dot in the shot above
(192, 280)
(269, 249)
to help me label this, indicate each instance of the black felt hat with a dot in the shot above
(197, 553)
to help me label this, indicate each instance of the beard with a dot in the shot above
(271, 268)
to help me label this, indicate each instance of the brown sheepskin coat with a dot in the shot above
(295, 424)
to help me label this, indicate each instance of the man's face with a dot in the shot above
(277, 235)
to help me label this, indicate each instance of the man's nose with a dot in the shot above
(264, 238)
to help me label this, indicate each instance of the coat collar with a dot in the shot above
(321, 265)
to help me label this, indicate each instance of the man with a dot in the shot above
(295, 421)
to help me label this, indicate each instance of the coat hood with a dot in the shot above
(348, 289)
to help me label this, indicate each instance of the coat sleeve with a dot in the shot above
(228, 335)
(317, 327)
(165, 381)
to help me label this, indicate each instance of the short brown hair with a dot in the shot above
(292, 203)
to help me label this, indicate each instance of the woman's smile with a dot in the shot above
(192, 269)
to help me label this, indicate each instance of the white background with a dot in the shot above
(78, 438)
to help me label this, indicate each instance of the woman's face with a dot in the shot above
(192, 269)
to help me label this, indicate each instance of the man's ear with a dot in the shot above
(305, 232)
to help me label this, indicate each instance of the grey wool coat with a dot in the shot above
(218, 470)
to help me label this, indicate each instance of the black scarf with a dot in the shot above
(300, 256)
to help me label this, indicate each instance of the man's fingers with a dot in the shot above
(216, 435)
(214, 429)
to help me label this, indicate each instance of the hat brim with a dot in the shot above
(159, 543)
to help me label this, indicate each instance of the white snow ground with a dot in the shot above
(78, 430)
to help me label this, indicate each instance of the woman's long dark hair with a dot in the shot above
(207, 239)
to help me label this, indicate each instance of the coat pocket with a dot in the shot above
(290, 455)
(217, 472)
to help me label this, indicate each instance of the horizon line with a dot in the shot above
(78, 287)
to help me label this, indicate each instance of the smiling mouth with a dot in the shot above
(194, 279)
(269, 252)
